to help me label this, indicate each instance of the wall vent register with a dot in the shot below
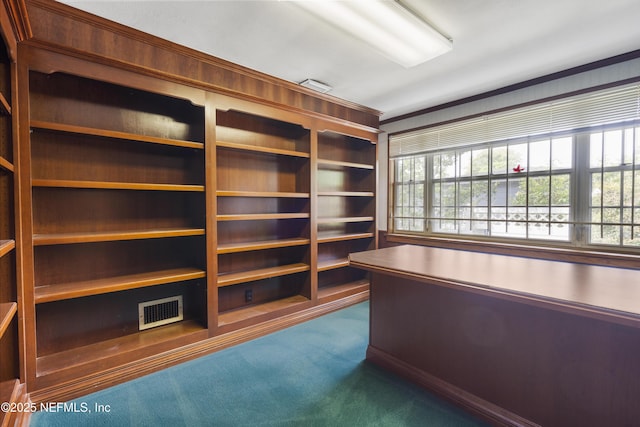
(160, 312)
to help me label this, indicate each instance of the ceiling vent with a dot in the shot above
(316, 85)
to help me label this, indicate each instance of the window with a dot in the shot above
(577, 187)
(409, 191)
(510, 190)
(614, 176)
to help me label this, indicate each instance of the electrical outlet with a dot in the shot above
(248, 295)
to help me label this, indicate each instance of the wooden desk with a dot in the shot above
(517, 341)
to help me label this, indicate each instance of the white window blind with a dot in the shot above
(613, 105)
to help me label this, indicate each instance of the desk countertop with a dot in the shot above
(608, 291)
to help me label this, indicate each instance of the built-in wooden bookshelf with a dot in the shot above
(346, 184)
(143, 171)
(263, 215)
(118, 218)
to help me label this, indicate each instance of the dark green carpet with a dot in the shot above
(312, 374)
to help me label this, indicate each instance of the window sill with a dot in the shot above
(607, 259)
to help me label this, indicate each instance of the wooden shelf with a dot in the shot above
(58, 183)
(346, 219)
(89, 237)
(342, 237)
(347, 193)
(245, 313)
(344, 288)
(6, 164)
(333, 264)
(339, 164)
(259, 245)
(274, 194)
(251, 217)
(185, 331)
(59, 127)
(262, 273)
(7, 313)
(6, 246)
(113, 284)
(5, 106)
(260, 149)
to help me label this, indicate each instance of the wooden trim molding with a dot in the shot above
(16, 394)
(15, 27)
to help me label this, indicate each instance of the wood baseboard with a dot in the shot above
(14, 393)
(107, 378)
(481, 408)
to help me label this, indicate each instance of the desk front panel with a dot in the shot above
(546, 366)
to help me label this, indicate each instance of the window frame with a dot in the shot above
(578, 238)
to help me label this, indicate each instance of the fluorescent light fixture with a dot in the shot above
(316, 85)
(387, 25)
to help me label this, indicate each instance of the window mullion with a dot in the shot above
(429, 198)
(426, 191)
(412, 193)
(456, 198)
(602, 152)
(550, 190)
(621, 199)
(634, 138)
(581, 188)
(506, 197)
(526, 192)
(489, 232)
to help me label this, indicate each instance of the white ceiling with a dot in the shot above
(496, 43)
